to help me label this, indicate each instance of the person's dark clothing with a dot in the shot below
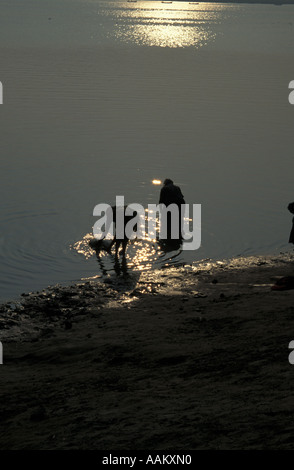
(172, 194)
(291, 238)
(291, 209)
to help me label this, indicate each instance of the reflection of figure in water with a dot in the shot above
(96, 245)
(121, 241)
(106, 245)
(291, 209)
(172, 194)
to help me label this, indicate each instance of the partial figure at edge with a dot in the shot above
(291, 209)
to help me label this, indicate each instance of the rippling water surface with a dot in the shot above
(102, 97)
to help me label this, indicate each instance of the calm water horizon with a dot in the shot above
(100, 98)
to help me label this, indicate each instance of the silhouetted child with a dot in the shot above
(106, 245)
(291, 209)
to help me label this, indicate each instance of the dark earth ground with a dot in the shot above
(181, 359)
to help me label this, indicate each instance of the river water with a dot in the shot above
(100, 98)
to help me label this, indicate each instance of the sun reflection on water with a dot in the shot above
(165, 25)
(141, 255)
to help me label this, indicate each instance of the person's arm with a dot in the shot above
(180, 193)
(161, 197)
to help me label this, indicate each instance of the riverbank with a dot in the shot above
(182, 359)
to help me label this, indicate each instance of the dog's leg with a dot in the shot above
(117, 245)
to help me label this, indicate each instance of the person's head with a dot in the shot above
(291, 207)
(167, 181)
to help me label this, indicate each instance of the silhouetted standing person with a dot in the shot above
(291, 209)
(172, 194)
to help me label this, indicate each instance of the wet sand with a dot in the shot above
(179, 359)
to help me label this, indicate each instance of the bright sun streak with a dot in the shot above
(162, 25)
(156, 182)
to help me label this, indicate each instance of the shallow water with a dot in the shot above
(102, 97)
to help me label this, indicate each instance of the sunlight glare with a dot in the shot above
(166, 25)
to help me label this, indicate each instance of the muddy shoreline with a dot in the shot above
(182, 359)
